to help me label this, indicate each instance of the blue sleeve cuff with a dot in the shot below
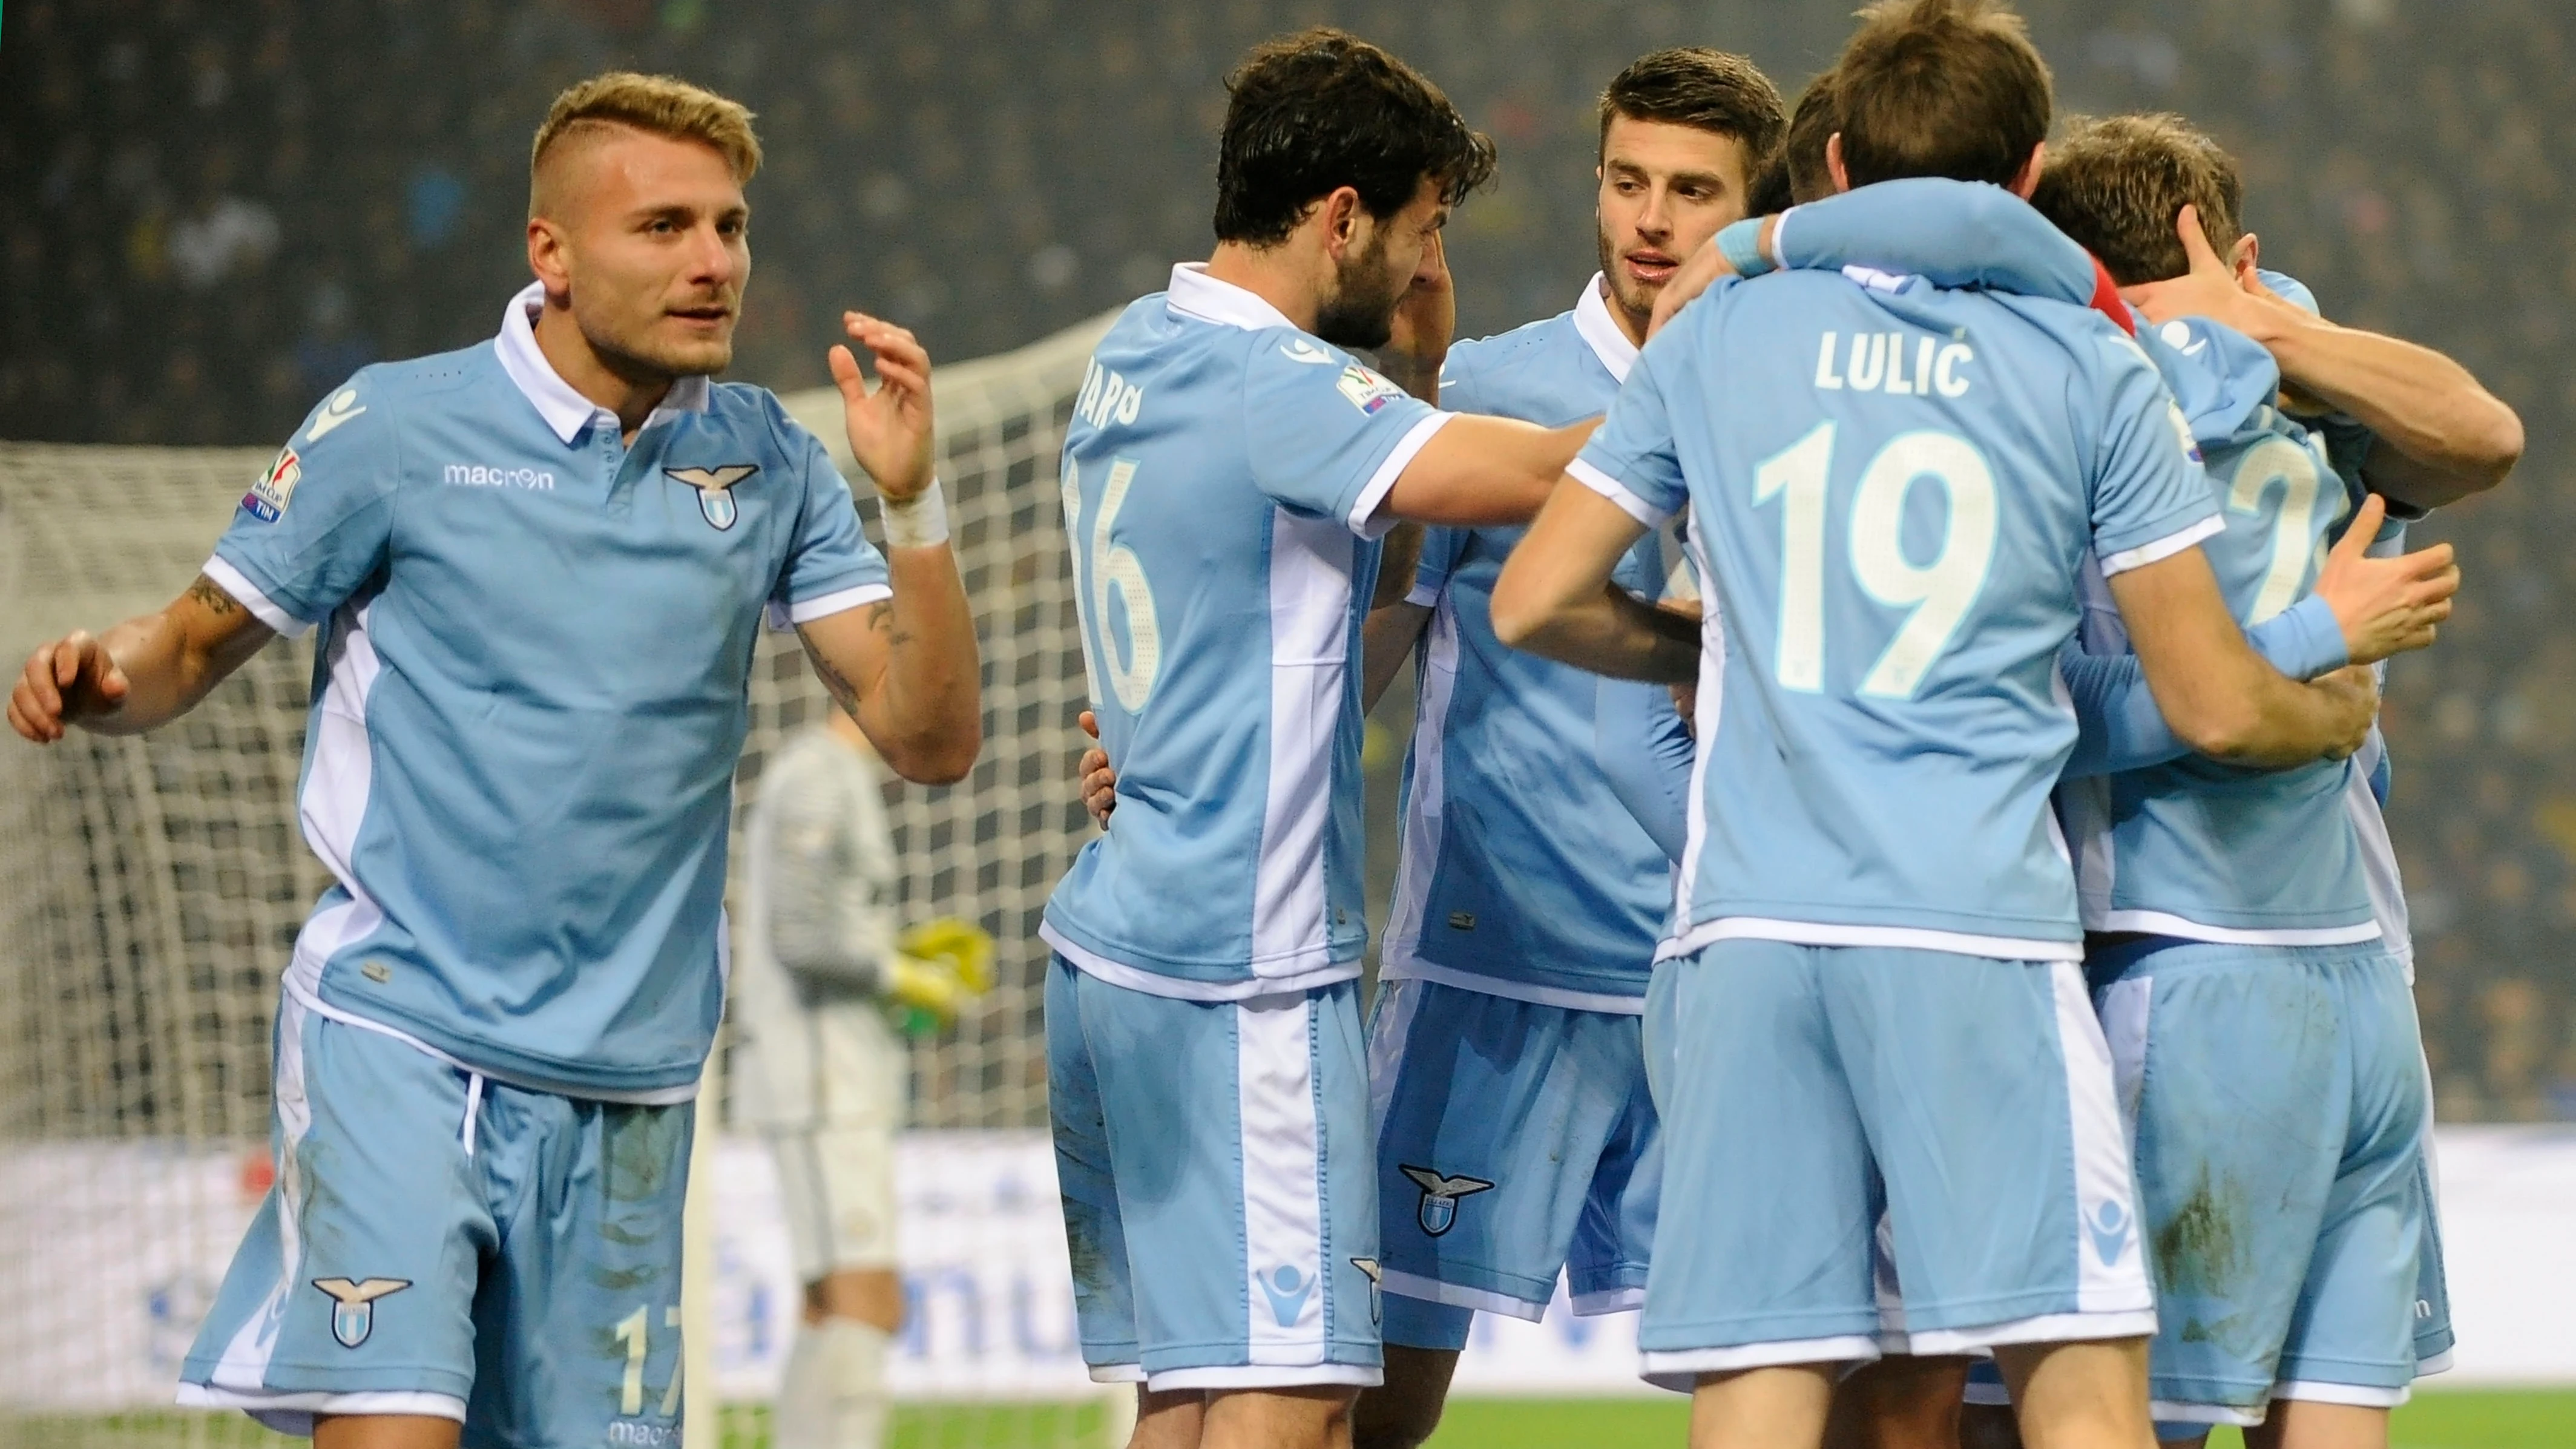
(2302, 641)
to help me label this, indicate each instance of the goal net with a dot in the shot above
(150, 889)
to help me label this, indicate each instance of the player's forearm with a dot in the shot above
(1387, 636)
(169, 668)
(2418, 401)
(925, 712)
(1485, 471)
(1610, 633)
(1399, 555)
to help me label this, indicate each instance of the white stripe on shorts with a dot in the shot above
(1283, 1206)
(244, 1365)
(2111, 1280)
(1679, 1369)
(2359, 1395)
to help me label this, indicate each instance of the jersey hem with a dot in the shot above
(1907, 938)
(1182, 988)
(308, 994)
(228, 576)
(1413, 968)
(280, 1409)
(2162, 923)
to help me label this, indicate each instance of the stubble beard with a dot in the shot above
(1360, 315)
(1635, 302)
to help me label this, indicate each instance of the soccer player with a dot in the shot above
(1516, 1138)
(2236, 912)
(538, 566)
(1892, 489)
(821, 1070)
(1226, 474)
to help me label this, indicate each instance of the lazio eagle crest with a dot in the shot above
(1439, 1210)
(353, 1305)
(715, 489)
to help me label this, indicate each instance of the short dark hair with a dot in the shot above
(1811, 125)
(1940, 88)
(2116, 183)
(1322, 109)
(1706, 90)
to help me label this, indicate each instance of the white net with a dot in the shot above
(150, 888)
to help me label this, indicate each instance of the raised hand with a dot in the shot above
(70, 680)
(1425, 320)
(890, 427)
(2386, 605)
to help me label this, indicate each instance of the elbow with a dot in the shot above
(941, 758)
(2221, 728)
(2499, 447)
(1517, 620)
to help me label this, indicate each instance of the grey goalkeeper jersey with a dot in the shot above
(819, 885)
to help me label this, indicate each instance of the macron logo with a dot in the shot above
(476, 475)
(338, 410)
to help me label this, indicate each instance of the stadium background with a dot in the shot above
(210, 213)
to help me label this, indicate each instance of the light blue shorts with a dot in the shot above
(1805, 1088)
(438, 1243)
(1218, 1203)
(1515, 1142)
(2280, 1108)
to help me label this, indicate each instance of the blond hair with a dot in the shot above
(659, 104)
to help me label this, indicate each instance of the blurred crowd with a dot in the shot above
(215, 211)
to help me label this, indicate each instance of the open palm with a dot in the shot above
(890, 426)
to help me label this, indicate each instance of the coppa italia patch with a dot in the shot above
(266, 500)
(1367, 391)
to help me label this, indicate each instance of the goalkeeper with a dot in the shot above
(822, 982)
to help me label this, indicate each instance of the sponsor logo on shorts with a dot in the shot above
(2109, 1227)
(1287, 1289)
(1370, 1267)
(267, 498)
(353, 1310)
(715, 489)
(1367, 391)
(1438, 1212)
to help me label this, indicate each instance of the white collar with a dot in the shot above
(566, 411)
(1196, 294)
(1593, 320)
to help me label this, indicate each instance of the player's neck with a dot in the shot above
(1631, 326)
(585, 371)
(1283, 276)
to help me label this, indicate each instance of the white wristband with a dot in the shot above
(918, 521)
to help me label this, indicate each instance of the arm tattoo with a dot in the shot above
(834, 681)
(881, 619)
(211, 594)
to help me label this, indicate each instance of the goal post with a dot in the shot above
(150, 889)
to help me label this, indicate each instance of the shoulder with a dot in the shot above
(1486, 374)
(759, 416)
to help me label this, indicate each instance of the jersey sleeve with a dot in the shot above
(1950, 233)
(317, 523)
(830, 564)
(1632, 459)
(2119, 726)
(2150, 499)
(1328, 437)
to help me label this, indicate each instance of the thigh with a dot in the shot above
(2353, 1339)
(1240, 1161)
(1768, 1211)
(352, 1291)
(1488, 1137)
(578, 1324)
(1987, 1093)
(1095, 1236)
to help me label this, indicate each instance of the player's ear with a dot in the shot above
(2246, 255)
(1341, 215)
(1834, 162)
(2026, 180)
(548, 255)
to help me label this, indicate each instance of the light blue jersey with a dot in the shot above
(2193, 848)
(2183, 846)
(1222, 476)
(528, 697)
(1520, 876)
(1879, 707)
